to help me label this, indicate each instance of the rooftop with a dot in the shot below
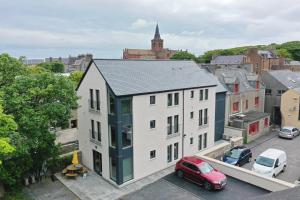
(228, 60)
(286, 77)
(133, 77)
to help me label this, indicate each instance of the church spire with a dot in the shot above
(156, 35)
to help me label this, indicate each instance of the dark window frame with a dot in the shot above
(97, 99)
(152, 124)
(92, 106)
(152, 100)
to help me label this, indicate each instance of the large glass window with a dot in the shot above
(176, 98)
(112, 137)
(126, 106)
(169, 153)
(127, 169)
(97, 99)
(127, 136)
(113, 168)
(176, 151)
(91, 98)
(176, 125)
(169, 127)
(170, 99)
(111, 104)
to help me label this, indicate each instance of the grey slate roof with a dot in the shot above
(230, 75)
(130, 77)
(286, 77)
(228, 60)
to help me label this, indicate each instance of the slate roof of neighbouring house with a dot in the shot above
(232, 75)
(228, 60)
(131, 77)
(286, 77)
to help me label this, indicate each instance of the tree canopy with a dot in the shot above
(183, 55)
(76, 77)
(55, 67)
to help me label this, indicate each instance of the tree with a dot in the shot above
(9, 68)
(39, 101)
(55, 67)
(76, 77)
(6, 148)
(183, 55)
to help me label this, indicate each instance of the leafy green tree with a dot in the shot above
(5, 148)
(39, 101)
(9, 68)
(183, 55)
(55, 67)
(76, 77)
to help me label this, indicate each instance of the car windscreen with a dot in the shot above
(285, 130)
(268, 162)
(234, 153)
(205, 168)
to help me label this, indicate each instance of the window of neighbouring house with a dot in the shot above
(236, 88)
(191, 140)
(169, 153)
(200, 142)
(111, 104)
(201, 95)
(99, 131)
(127, 169)
(246, 104)
(235, 107)
(112, 136)
(206, 94)
(266, 122)
(192, 94)
(152, 100)
(91, 98)
(92, 129)
(191, 115)
(254, 128)
(170, 99)
(169, 126)
(176, 123)
(256, 101)
(205, 140)
(152, 124)
(126, 106)
(200, 117)
(98, 99)
(176, 98)
(152, 154)
(268, 92)
(113, 168)
(205, 116)
(176, 151)
(257, 85)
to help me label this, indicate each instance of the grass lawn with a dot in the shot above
(16, 196)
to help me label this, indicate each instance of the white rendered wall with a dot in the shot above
(93, 80)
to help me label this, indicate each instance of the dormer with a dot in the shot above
(253, 81)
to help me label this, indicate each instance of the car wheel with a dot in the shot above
(283, 169)
(180, 173)
(273, 176)
(207, 185)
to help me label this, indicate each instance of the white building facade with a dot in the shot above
(138, 117)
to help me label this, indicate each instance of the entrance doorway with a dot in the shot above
(97, 162)
(277, 115)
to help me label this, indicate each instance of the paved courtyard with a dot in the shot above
(172, 187)
(291, 147)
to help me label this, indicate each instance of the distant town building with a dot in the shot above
(157, 50)
(290, 108)
(277, 82)
(78, 63)
(245, 97)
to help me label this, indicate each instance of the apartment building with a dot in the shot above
(290, 108)
(137, 117)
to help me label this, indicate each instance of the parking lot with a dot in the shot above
(172, 187)
(291, 147)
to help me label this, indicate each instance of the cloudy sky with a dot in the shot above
(43, 28)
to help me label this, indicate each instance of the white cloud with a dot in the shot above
(141, 23)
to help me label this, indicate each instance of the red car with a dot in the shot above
(200, 172)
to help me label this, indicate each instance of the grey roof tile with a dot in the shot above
(130, 77)
(228, 60)
(286, 77)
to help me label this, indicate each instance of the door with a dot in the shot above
(278, 168)
(97, 157)
(277, 115)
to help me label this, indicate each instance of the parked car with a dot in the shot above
(238, 156)
(270, 163)
(288, 132)
(200, 172)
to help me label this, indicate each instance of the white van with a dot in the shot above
(270, 163)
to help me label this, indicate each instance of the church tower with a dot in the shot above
(157, 44)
